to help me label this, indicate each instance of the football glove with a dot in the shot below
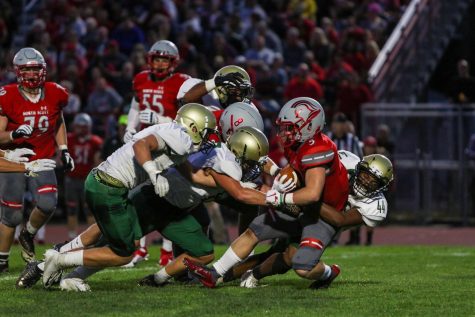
(22, 131)
(68, 162)
(282, 184)
(232, 79)
(160, 184)
(39, 166)
(129, 134)
(150, 117)
(18, 155)
(274, 198)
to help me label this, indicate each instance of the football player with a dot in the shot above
(369, 178)
(85, 150)
(31, 117)
(245, 149)
(155, 149)
(314, 157)
(155, 102)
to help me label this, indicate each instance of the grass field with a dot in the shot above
(375, 281)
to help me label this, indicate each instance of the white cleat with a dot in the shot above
(74, 284)
(51, 269)
(248, 280)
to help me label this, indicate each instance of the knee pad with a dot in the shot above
(46, 200)
(11, 213)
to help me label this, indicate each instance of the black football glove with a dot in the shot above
(21, 131)
(232, 79)
(68, 162)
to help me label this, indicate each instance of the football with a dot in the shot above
(291, 174)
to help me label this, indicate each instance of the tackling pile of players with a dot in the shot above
(188, 141)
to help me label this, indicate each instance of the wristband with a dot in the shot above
(274, 170)
(150, 167)
(289, 199)
(210, 84)
(63, 147)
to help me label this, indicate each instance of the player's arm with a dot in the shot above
(61, 135)
(349, 218)
(234, 189)
(34, 166)
(200, 176)
(9, 166)
(195, 93)
(144, 147)
(312, 191)
(270, 167)
(4, 135)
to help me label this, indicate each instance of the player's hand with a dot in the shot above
(274, 198)
(24, 130)
(148, 116)
(68, 162)
(160, 184)
(129, 134)
(18, 155)
(282, 184)
(232, 79)
(40, 166)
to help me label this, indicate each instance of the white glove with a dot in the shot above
(274, 198)
(22, 131)
(248, 185)
(74, 284)
(282, 184)
(160, 184)
(150, 117)
(18, 155)
(129, 134)
(40, 165)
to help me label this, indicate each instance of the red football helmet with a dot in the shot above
(299, 120)
(164, 49)
(30, 68)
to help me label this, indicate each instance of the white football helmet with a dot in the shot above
(165, 49)
(239, 115)
(30, 68)
(299, 120)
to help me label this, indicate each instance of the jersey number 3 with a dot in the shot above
(43, 123)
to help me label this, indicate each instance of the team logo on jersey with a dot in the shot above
(2, 91)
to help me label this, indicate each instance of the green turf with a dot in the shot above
(375, 281)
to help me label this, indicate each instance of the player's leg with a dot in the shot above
(45, 193)
(186, 233)
(306, 261)
(11, 212)
(220, 235)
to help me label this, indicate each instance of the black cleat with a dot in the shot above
(58, 246)
(30, 275)
(326, 283)
(149, 280)
(4, 267)
(27, 245)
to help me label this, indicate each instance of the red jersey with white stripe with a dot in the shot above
(43, 116)
(82, 150)
(160, 95)
(320, 151)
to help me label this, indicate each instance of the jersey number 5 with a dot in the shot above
(155, 103)
(43, 123)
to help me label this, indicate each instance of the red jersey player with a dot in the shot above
(85, 149)
(31, 117)
(314, 156)
(155, 89)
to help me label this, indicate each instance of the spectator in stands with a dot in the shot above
(303, 85)
(385, 142)
(116, 140)
(294, 48)
(259, 53)
(127, 34)
(321, 47)
(462, 87)
(74, 102)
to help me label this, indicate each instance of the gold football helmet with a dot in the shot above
(198, 121)
(228, 94)
(250, 146)
(373, 175)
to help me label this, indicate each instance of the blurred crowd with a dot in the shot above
(317, 48)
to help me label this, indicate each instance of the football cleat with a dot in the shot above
(52, 271)
(74, 284)
(326, 283)
(27, 245)
(58, 246)
(139, 256)
(248, 280)
(149, 280)
(30, 275)
(4, 267)
(206, 275)
(165, 257)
